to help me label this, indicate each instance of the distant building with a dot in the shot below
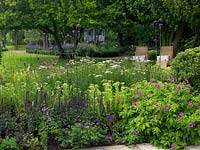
(91, 35)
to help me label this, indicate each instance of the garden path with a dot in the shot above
(144, 146)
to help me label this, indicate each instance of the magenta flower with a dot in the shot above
(136, 97)
(177, 116)
(166, 107)
(157, 85)
(181, 114)
(190, 103)
(185, 80)
(173, 146)
(134, 104)
(110, 137)
(136, 132)
(139, 93)
(198, 107)
(178, 87)
(189, 87)
(60, 71)
(157, 105)
(191, 125)
(86, 127)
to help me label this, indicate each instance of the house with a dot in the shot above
(92, 35)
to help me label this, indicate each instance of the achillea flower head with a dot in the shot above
(178, 87)
(173, 146)
(134, 104)
(136, 132)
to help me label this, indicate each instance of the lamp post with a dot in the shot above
(158, 24)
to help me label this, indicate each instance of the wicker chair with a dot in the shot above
(141, 54)
(166, 55)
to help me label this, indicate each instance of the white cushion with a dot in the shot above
(140, 58)
(163, 57)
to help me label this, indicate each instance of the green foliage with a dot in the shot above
(92, 50)
(152, 55)
(162, 114)
(81, 135)
(9, 144)
(186, 65)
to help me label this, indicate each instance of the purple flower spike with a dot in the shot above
(198, 107)
(139, 93)
(190, 103)
(191, 125)
(86, 127)
(177, 87)
(134, 104)
(166, 107)
(136, 132)
(173, 146)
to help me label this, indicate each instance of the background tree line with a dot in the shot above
(133, 22)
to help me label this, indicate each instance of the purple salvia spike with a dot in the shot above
(94, 101)
(74, 103)
(100, 104)
(2, 107)
(41, 95)
(10, 106)
(6, 132)
(36, 101)
(59, 105)
(45, 104)
(65, 105)
(108, 106)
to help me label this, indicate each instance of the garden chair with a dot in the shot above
(166, 55)
(141, 54)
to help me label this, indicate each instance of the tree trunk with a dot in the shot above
(16, 39)
(120, 39)
(196, 40)
(57, 40)
(178, 35)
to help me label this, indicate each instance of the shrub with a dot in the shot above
(152, 55)
(164, 114)
(9, 144)
(81, 135)
(187, 64)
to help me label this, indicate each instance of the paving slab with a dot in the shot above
(117, 147)
(147, 146)
(193, 147)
